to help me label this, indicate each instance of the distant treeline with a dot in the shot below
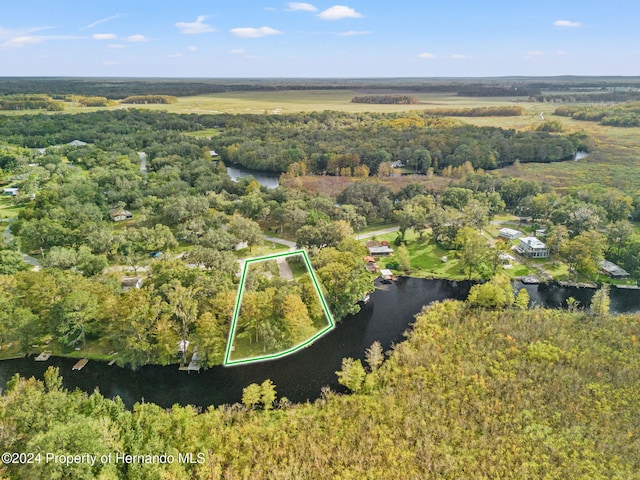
(505, 111)
(496, 91)
(29, 102)
(622, 96)
(119, 88)
(147, 99)
(386, 99)
(621, 115)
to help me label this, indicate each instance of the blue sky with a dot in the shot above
(352, 38)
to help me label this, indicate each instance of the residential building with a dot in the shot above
(612, 270)
(509, 233)
(532, 247)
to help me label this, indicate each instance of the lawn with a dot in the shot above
(267, 248)
(425, 257)
(8, 209)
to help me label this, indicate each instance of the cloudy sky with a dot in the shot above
(357, 38)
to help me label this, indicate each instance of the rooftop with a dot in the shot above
(532, 242)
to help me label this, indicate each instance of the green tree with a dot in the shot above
(601, 301)
(251, 395)
(473, 251)
(245, 230)
(74, 317)
(402, 255)
(522, 299)
(352, 374)
(374, 355)
(296, 319)
(11, 262)
(495, 294)
(267, 394)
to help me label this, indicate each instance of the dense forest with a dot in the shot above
(416, 139)
(471, 394)
(275, 142)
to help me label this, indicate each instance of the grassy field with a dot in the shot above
(7, 208)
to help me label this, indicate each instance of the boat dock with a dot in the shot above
(44, 356)
(80, 365)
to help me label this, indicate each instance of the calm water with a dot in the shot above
(554, 296)
(266, 179)
(299, 377)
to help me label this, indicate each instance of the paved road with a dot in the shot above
(360, 236)
(281, 241)
(285, 269)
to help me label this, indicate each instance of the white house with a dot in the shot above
(11, 191)
(532, 247)
(77, 143)
(509, 233)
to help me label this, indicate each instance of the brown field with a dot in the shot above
(332, 186)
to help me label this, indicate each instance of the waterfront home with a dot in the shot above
(532, 247)
(612, 270)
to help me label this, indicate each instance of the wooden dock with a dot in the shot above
(44, 356)
(80, 365)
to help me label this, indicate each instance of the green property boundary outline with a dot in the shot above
(236, 311)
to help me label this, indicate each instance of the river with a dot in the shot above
(267, 179)
(301, 376)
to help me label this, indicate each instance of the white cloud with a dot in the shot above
(192, 48)
(459, 56)
(103, 36)
(174, 55)
(567, 23)
(338, 12)
(194, 28)
(238, 51)
(137, 38)
(301, 7)
(109, 62)
(426, 55)
(560, 52)
(18, 42)
(116, 45)
(248, 32)
(536, 56)
(353, 33)
(102, 20)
